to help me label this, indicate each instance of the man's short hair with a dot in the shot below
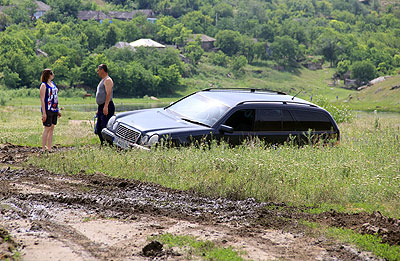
(104, 67)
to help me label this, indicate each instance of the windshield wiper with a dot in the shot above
(195, 122)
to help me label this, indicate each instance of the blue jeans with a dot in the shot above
(103, 119)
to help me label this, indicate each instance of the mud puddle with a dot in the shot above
(95, 217)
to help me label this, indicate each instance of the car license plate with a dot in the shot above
(121, 143)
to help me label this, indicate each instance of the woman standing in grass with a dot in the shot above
(49, 103)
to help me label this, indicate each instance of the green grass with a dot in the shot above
(23, 126)
(30, 97)
(378, 97)
(194, 248)
(362, 173)
(370, 243)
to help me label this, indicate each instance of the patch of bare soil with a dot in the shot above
(95, 217)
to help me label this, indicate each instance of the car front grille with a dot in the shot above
(127, 133)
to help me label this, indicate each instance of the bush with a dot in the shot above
(238, 63)
(363, 71)
(339, 112)
(219, 58)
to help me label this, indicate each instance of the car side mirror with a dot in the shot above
(225, 128)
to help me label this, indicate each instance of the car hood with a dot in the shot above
(156, 120)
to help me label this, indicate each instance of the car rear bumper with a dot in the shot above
(112, 139)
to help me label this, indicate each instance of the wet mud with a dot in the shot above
(96, 217)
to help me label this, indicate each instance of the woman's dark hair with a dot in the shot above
(104, 67)
(46, 74)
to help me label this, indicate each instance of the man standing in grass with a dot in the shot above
(104, 95)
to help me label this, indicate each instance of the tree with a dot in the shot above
(18, 14)
(284, 51)
(329, 47)
(93, 33)
(194, 51)
(111, 36)
(180, 34)
(197, 22)
(363, 71)
(248, 48)
(4, 20)
(17, 56)
(343, 67)
(238, 63)
(62, 10)
(146, 4)
(219, 58)
(228, 41)
(130, 32)
(11, 79)
(170, 80)
(88, 74)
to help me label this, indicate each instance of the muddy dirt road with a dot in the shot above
(95, 217)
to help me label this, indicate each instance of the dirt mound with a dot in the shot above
(365, 223)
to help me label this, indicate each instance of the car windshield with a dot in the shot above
(200, 109)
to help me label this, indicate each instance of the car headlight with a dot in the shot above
(153, 140)
(112, 124)
(147, 140)
(144, 140)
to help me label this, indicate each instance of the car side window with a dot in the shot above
(312, 120)
(288, 123)
(268, 120)
(242, 120)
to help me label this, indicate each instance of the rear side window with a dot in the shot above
(317, 121)
(268, 120)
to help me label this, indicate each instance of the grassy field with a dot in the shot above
(383, 96)
(362, 173)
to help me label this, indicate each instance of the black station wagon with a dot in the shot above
(232, 115)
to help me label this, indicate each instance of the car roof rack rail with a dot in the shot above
(245, 89)
(283, 102)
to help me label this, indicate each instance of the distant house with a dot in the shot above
(147, 12)
(207, 42)
(99, 15)
(93, 15)
(146, 43)
(124, 45)
(41, 9)
(121, 15)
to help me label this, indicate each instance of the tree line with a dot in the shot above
(350, 35)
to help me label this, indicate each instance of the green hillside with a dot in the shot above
(304, 82)
(383, 96)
